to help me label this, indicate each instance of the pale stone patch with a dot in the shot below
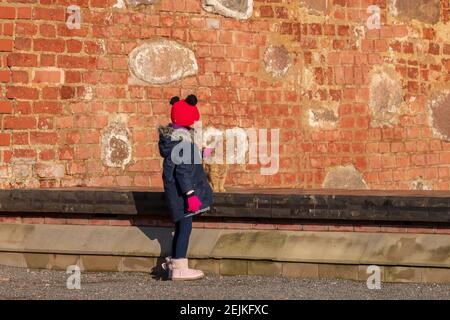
(162, 61)
(277, 60)
(135, 3)
(426, 11)
(116, 148)
(438, 110)
(238, 9)
(386, 96)
(49, 170)
(317, 7)
(420, 184)
(212, 23)
(307, 80)
(88, 93)
(359, 33)
(20, 173)
(344, 177)
(324, 117)
(120, 4)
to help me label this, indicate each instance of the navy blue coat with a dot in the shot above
(182, 177)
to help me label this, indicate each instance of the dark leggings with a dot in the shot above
(180, 241)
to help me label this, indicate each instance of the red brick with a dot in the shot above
(21, 138)
(315, 227)
(6, 45)
(367, 229)
(264, 226)
(343, 228)
(289, 227)
(238, 225)
(198, 224)
(24, 13)
(447, 49)
(74, 46)
(213, 225)
(420, 230)
(266, 12)
(393, 229)
(10, 122)
(120, 222)
(98, 222)
(33, 220)
(203, 36)
(192, 6)
(7, 12)
(5, 76)
(53, 45)
(25, 28)
(50, 220)
(5, 139)
(47, 154)
(47, 76)
(22, 93)
(74, 221)
(43, 138)
(7, 219)
(5, 107)
(22, 60)
(72, 62)
(442, 230)
(50, 14)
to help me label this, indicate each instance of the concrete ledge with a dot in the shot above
(411, 257)
(397, 249)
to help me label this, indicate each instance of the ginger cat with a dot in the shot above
(217, 175)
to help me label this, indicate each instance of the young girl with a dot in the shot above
(186, 187)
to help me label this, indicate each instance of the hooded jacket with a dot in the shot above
(182, 175)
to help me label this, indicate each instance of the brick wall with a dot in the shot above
(379, 97)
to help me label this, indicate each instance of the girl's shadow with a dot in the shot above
(164, 237)
(152, 204)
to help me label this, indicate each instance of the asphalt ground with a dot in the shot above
(20, 283)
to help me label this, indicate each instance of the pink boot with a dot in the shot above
(181, 271)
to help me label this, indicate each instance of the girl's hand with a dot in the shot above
(207, 152)
(194, 203)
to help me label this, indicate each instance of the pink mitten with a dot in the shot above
(207, 152)
(193, 203)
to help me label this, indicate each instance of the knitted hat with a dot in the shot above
(184, 112)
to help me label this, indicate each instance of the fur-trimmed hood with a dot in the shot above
(169, 137)
(176, 134)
